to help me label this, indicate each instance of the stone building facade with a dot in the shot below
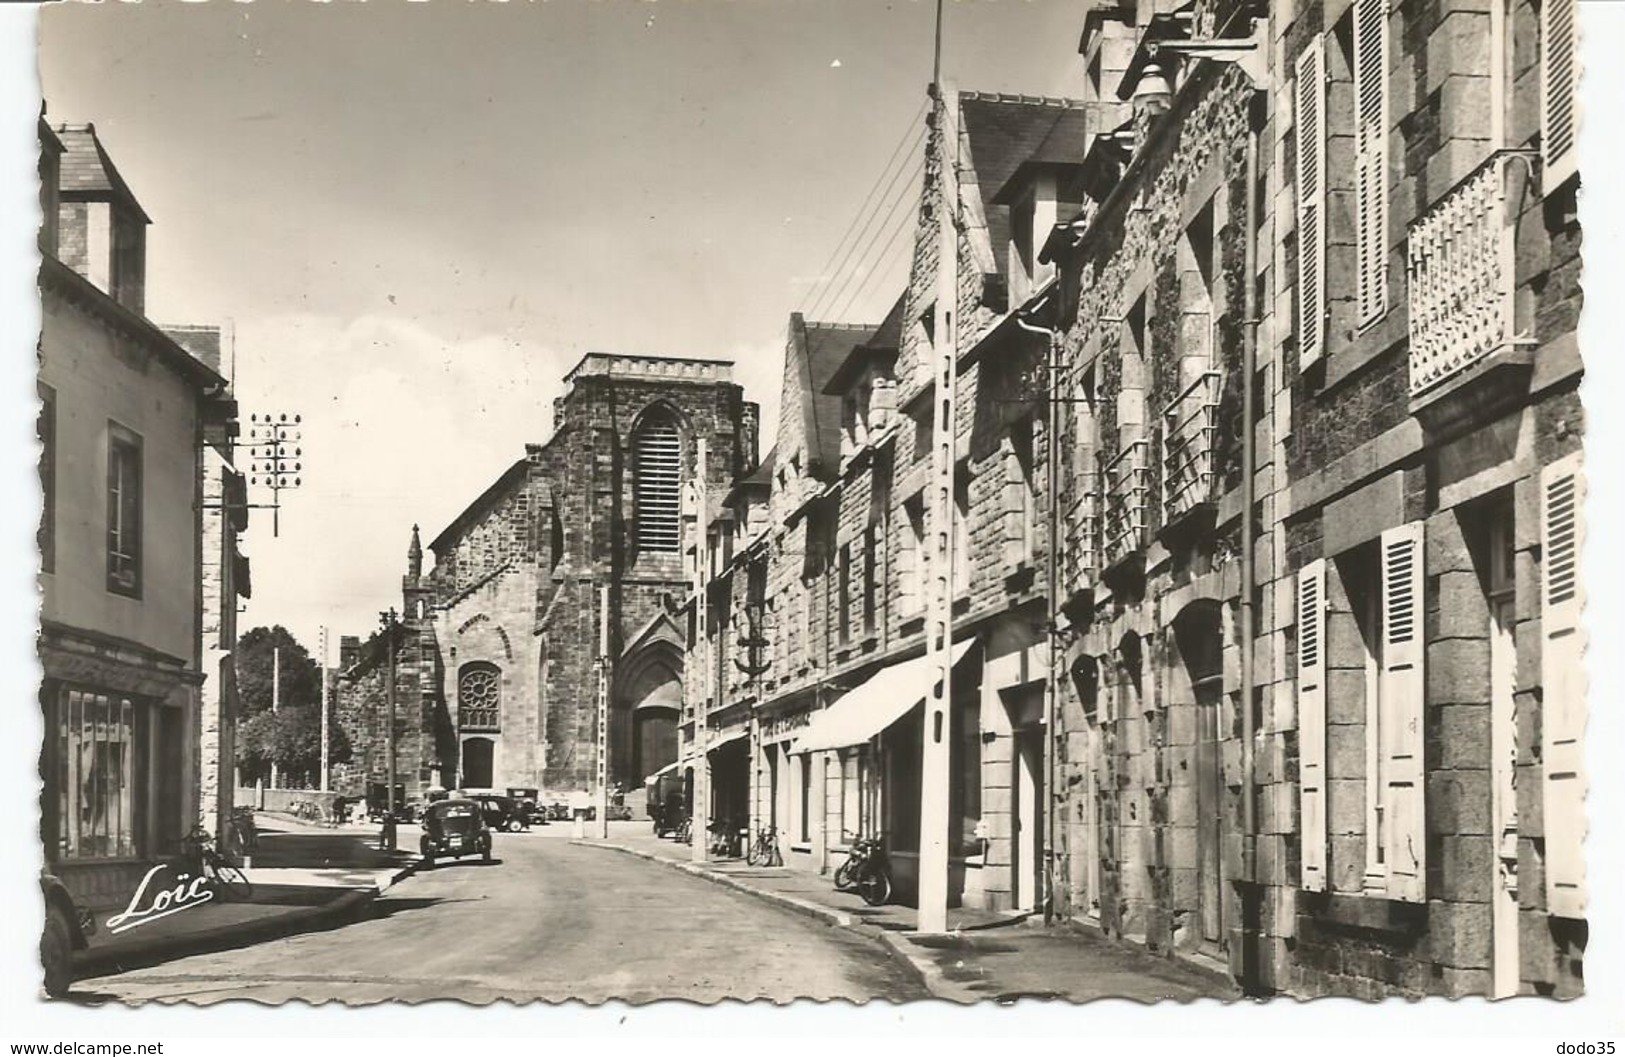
(1309, 280)
(503, 634)
(132, 426)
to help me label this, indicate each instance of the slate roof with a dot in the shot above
(88, 173)
(820, 349)
(1007, 131)
(884, 342)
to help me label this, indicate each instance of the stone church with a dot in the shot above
(497, 649)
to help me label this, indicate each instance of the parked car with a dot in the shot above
(530, 808)
(501, 812)
(453, 829)
(68, 928)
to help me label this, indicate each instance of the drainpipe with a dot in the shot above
(1249, 498)
(1052, 696)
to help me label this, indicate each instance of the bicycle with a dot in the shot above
(246, 832)
(765, 850)
(204, 860)
(865, 869)
(685, 831)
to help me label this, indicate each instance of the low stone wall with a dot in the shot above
(283, 799)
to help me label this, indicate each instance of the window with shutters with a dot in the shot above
(657, 458)
(1559, 78)
(843, 596)
(961, 585)
(1309, 96)
(871, 578)
(911, 557)
(1371, 156)
(1020, 497)
(1384, 583)
(1312, 787)
(1563, 686)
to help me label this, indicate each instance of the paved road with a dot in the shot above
(551, 921)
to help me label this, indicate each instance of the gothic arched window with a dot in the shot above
(479, 697)
(657, 454)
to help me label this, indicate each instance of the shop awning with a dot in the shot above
(727, 739)
(872, 706)
(669, 768)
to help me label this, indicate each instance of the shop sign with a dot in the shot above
(783, 726)
(157, 897)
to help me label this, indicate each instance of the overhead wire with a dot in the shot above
(897, 200)
(911, 132)
(823, 299)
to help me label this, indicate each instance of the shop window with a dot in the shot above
(97, 752)
(124, 483)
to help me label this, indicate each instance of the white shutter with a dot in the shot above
(1404, 827)
(1371, 154)
(1563, 686)
(1559, 77)
(1310, 94)
(1312, 790)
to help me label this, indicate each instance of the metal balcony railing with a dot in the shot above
(1461, 272)
(1128, 493)
(1080, 549)
(1189, 425)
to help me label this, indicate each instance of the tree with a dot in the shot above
(301, 675)
(291, 736)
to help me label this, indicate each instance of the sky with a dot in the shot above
(416, 217)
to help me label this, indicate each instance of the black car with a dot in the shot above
(501, 812)
(67, 929)
(453, 829)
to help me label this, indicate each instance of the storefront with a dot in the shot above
(119, 778)
(867, 746)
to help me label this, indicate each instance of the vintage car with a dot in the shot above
(453, 829)
(530, 807)
(67, 929)
(501, 812)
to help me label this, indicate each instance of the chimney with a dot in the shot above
(202, 342)
(102, 229)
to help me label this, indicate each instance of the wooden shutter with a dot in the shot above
(1371, 155)
(1310, 94)
(1563, 685)
(1400, 737)
(1559, 77)
(1312, 723)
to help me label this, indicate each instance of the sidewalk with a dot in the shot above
(304, 878)
(986, 955)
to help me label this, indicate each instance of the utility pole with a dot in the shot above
(388, 620)
(699, 831)
(603, 712)
(276, 699)
(323, 780)
(936, 731)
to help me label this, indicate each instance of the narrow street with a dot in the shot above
(549, 921)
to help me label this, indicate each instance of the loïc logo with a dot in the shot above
(159, 899)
